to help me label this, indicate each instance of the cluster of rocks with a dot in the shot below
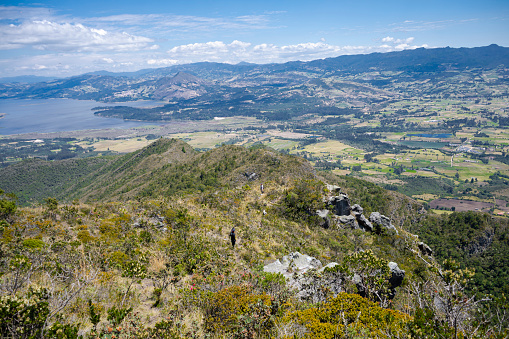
(344, 215)
(155, 221)
(315, 282)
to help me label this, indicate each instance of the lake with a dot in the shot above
(57, 115)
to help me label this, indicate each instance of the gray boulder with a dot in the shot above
(357, 210)
(381, 220)
(306, 275)
(396, 279)
(251, 176)
(364, 223)
(341, 204)
(347, 221)
(333, 189)
(397, 275)
(325, 220)
(293, 263)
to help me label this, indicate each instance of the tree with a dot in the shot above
(7, 205)
(371, 275)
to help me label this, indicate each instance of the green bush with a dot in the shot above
(348, 316)
(225, 309)
(33, 243)
(24, 317)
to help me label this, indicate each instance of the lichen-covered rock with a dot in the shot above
(381, 220)
(340, 204)
(364, 223)
(325, 220)
(347, 221)
(293, 263)
(396, 279)
(357, 210)
(397, 275)
(315, 283)
(306, 275)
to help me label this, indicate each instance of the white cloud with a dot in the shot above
(162, 62)
(65, 64)
(48, 35)
(398, 41)
(237, 51)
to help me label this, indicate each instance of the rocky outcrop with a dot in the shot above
(382, 221)
(155, 221)
(333, 189)
(251, 176)
(340, 204)
(306, 275)
(397, 275)
(347, 221)
(315, 283)
(325, 220)
(396, 279)
(293, 263)
(346, 216)
(363, 223)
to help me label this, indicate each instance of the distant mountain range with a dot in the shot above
(27, 79)
(277, 91)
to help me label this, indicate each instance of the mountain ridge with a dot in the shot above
(107, 85)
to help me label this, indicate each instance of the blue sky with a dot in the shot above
(64, 38)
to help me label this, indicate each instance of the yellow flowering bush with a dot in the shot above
(349, 314)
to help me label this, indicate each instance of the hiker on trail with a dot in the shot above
(232, 237)
(261, 188)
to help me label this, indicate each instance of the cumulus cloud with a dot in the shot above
(48, 35)
(237, 51)
(64, 64)
(398, 41)
(162, 62)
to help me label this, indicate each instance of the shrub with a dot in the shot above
(7, 205)
(373, 274)
(33, 243)
(350, 314)
(226, 307)
(84, 236)
(117, 315)
(302, 201)
(24, 317)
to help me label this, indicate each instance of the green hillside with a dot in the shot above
(137, 246)
(165, 167)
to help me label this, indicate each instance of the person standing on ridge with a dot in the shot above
(232, 237)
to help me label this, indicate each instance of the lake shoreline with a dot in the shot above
(41, 116)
